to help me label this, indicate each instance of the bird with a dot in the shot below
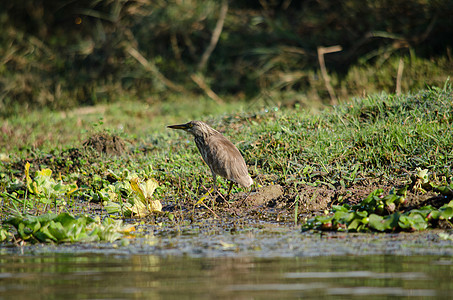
(221, 155)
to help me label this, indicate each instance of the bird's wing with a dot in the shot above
(226, 160)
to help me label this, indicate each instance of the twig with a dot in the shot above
(322, 65)
(153, 69)
(198, 79)
(399, 75)
(174, 46)
(215, 36)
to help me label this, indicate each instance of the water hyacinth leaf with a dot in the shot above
(343, 216)
(339, 208)
(433, 215)
(58, 231)
(155, 206)
(376, 222)
(109, 235)
(354, 224)
(418, 222)
(67, 228)
(4, 234)
(66, 219)
(445, 212)
(45, 187)
(150, 187)
(381, 223)
(413, 222)
(45, 173)
(390, 198)
(112, 207)
(139, 209)
(137, 189)
(144, 192)
(362, 214)
(424, 211)
(24, 231)
(112, 230)
(45, 236)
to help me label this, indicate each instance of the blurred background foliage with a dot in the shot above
(63, 54)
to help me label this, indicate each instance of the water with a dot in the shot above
(100, 276)
(266, 263)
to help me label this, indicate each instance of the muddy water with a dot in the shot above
(270, 263)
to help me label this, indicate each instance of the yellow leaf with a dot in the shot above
(155, 206)
(27, 177)
(128, 229)
(201, 199)
(139, 209)
(34, 188)
(204, 196)
(137, 189)
(150, 187)
(45, 173)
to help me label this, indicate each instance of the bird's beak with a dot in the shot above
(180, 126)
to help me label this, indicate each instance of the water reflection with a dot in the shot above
(95, 276)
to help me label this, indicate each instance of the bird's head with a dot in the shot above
(197, 128)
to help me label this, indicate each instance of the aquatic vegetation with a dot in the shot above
(381, 212)
(138, 202)
(64, 227)
(38, 194)
(45, 188)
(137, 196)
(32, 218)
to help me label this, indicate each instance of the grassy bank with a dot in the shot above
(338, 154)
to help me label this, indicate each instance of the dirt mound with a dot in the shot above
(106, 143)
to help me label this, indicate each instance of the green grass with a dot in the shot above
(381, 136)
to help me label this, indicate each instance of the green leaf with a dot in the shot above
(377, 222)
(65, 219)
(44, 235)
(354, 224)
(413, 221)
(59, 231)
(343, 216)
(381, 223)
(446, 212)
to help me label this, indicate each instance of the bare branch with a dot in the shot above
(149, 66)
(215, 36)
(322, 65)
(202, 84)
(399, 75)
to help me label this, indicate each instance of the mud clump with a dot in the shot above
(264, 195)
(106, 143)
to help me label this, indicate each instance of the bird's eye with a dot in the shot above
(190, 125)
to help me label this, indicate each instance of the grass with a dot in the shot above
(382, 136)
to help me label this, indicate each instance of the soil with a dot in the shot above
(106, 143)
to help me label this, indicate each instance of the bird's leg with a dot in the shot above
(248, 194)
(229, 190)
(214, 178)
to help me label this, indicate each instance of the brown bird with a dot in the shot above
(221, 156)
